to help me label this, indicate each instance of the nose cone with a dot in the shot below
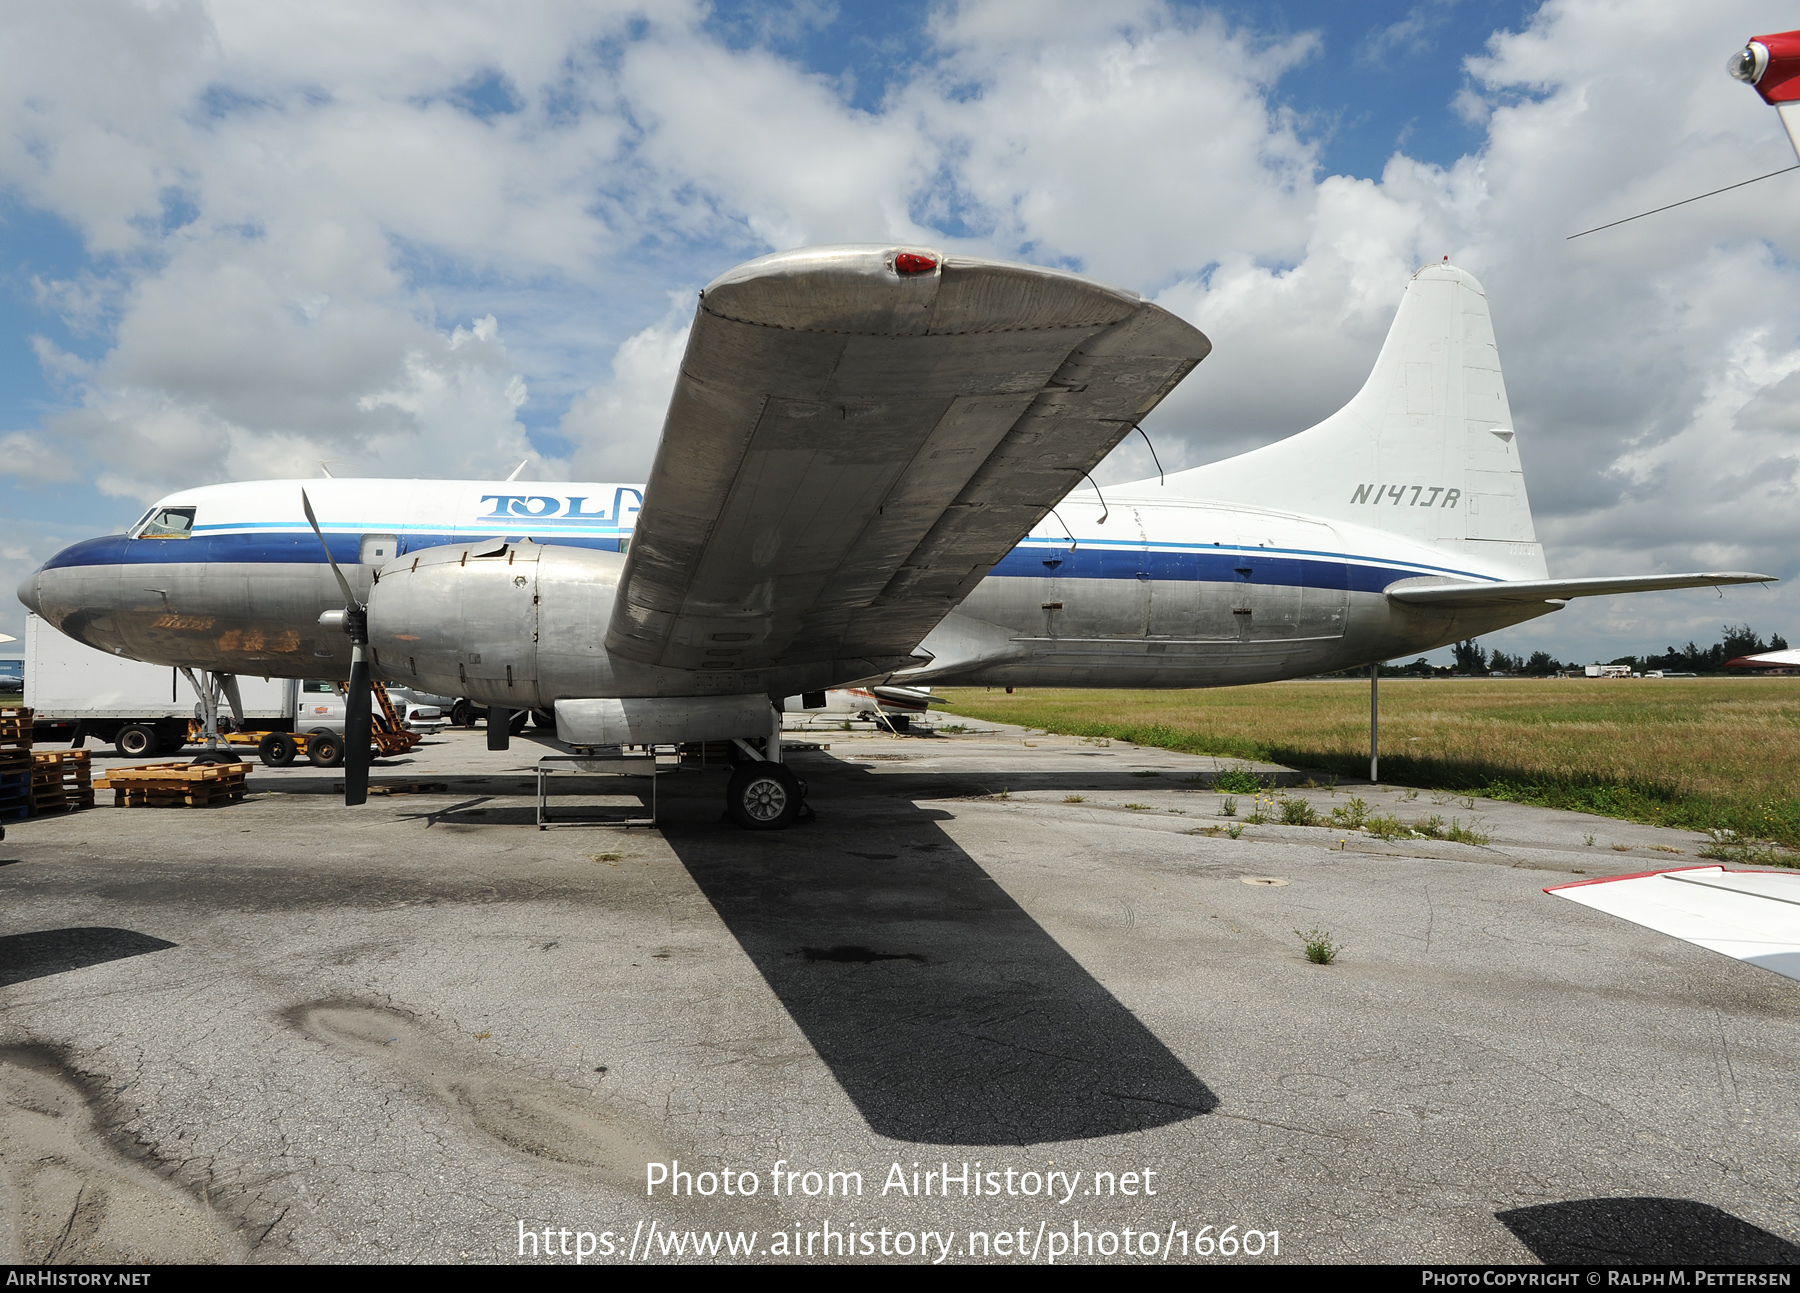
(28, 593)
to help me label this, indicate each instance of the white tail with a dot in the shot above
(1425, 449)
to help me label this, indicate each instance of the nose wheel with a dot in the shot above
(765, 796)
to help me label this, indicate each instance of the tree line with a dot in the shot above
(1471, 658)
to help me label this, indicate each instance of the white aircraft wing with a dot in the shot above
(1751, 915)
(1428, 592)
(1766, 659)
(858, 434)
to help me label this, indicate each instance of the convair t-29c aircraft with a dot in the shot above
(865, 477)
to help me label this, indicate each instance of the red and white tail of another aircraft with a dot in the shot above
(1771, 64)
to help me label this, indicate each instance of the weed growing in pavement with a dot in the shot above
(1320, 947)
(1298, 812)
(1386, 826)
(1457, 833)
(948, 729)
(1259, 811)
(1729, 846)
(1621, 848)
(1238, 781)
(1146, 772)
(1352, 814)
(1074, 799)
(1228, 806)
(1410, 795)
(1234, 830)
(1588, 840)
(1431, 828)
(1138, 808)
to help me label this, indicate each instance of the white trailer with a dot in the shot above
(75, 692)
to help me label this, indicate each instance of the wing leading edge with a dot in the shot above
(851, 447)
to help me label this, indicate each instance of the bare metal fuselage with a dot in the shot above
(1159, 595)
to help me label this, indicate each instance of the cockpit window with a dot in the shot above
(167, 523)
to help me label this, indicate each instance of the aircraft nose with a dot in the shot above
(28, 593)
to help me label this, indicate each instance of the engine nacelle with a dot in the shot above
(513, 624)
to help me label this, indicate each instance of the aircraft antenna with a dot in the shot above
(1073, 541)
(1103, 511)
(517, 470)
(1153, 458)
(1640, 215)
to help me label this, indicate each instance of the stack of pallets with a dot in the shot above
(61, 781)
(15, 764)
(176, 785)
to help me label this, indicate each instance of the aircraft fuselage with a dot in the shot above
(1162, 593)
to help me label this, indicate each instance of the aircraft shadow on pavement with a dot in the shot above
(1643, 1231)
(43, 952)
(946, 1012)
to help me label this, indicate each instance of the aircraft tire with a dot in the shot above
(136, 741)
(544, 720)
(324, 749)
(517, 724)
(277, 750)
(763, 796)
(901, 722)
(462, 714)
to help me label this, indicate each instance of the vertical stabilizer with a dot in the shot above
(1425, 449)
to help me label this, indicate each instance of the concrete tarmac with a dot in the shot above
(423, 1030)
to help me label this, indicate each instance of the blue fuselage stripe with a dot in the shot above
(1199, 564)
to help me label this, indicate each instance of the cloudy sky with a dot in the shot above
(239, 239)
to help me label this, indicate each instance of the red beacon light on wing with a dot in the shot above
(911, 262)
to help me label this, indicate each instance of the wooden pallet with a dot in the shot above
(176, 785)
(61, 781)
(15, 724)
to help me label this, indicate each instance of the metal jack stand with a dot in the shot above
(611, 761)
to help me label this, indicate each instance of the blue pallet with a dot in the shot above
(14, 812)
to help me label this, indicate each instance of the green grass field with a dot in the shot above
(1703, 753)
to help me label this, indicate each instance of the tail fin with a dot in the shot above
(1425, 449)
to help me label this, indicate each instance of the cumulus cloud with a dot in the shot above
(347, 232)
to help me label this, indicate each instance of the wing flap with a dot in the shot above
(849, 450)
(1438, 594)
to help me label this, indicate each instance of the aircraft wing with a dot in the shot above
(1765, 660)
(1751, 915)
(858, 434)
(1455, 596)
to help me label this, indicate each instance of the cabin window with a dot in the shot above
(167, 523)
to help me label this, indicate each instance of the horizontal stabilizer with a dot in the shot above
(1751, 915)
(1457, 596)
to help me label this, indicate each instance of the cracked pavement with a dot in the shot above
(288, 1031)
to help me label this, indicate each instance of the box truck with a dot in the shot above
(75, 692)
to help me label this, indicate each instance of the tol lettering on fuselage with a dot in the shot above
(569, 509)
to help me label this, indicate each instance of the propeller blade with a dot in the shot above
(349, 594)
(356, 732)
